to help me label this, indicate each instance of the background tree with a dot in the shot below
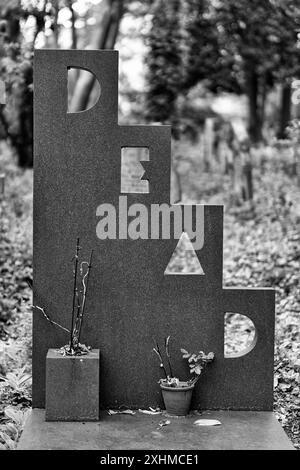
(204, 59)
(164, 61)
(261, 37)
(17, 43)
(230, 45)
(16, 56)
(108, 20)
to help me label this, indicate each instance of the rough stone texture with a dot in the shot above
(77, 167)
(72, 387)
(240, 430)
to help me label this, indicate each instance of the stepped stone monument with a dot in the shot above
(79, 192)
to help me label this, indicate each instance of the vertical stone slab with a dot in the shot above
(77, 168)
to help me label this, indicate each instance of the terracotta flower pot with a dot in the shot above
(177, 399)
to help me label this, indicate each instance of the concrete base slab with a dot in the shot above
(252, 430)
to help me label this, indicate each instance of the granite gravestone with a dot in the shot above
(77, 162)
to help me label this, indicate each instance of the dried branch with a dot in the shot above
(76, 327)
(75, 293)
(49, 319)
(85, 288)
(167, 342)
(158, 353)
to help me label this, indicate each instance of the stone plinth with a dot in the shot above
(72, 386)
(239, 430)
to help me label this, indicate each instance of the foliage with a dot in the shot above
(15, 385)
(262, 39)
(164, 62)
(15, 240)
(15, 396)
(196, 362)
(229, 45)
(16, 117)
(78, 349)
(263, 34)
(271, 236)
(204, 59)
(16, 68)
(293, 131)
(26, 24)
(15, 321)
(16, 380)
(10, 431)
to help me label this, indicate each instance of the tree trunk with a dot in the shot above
(73, 20)
(105, 38)
(176, 189)
(255, 123)
(21, 98)
(248, 181)
(56, 26)
(285, 110)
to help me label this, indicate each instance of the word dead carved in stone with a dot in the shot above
(78, 192)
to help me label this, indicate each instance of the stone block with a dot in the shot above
(72, 386)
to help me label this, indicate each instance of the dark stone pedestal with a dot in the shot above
(253, 430)
(72, 386)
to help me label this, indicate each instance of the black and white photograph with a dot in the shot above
(149, 228)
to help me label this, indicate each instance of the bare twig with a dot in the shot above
(85, 288)
(76, 327)
(167, 342)
(49, 319)
(74, 293)
(158, 353)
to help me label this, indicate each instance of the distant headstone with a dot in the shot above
(2, 183)
(2, 92)
(78, 193)
(209, 143)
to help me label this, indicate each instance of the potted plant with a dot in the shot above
(72, 371)
(177, 394)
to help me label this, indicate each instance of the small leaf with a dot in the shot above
(197, 370)
(164, 423)
(121, 412)
(207, 422)
(12, 430)
(150, 412)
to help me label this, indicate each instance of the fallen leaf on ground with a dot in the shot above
(165, 422)
(121, 412)
(207, 422)
(150, 412)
